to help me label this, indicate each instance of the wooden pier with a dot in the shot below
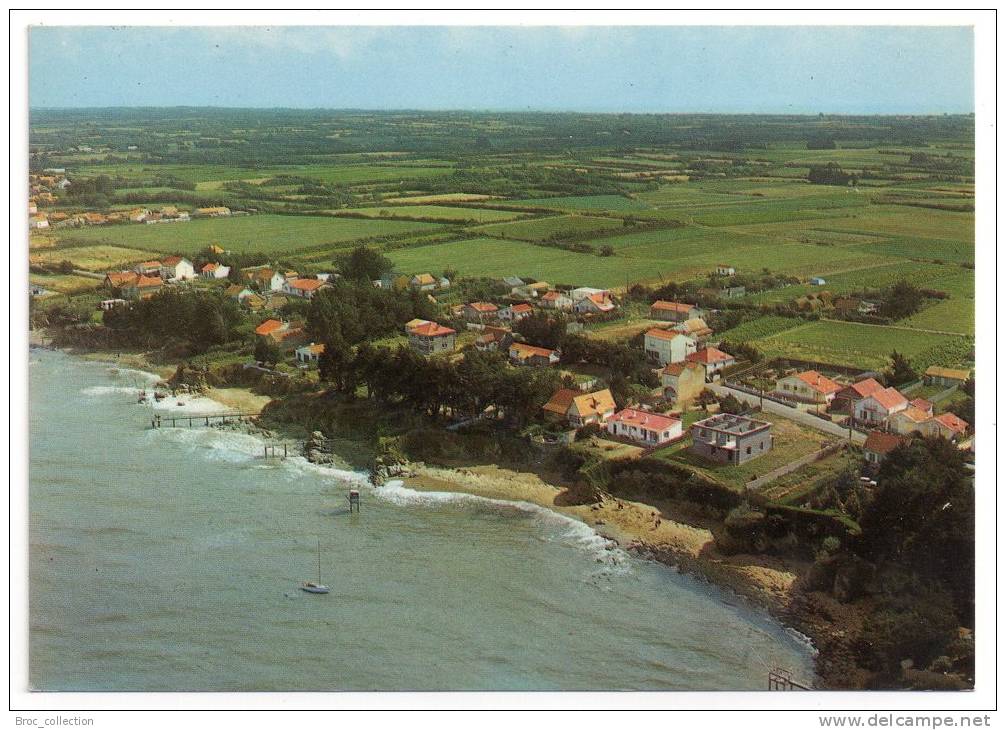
(782, 680)
(197, 420)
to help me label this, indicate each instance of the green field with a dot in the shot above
(865, 346)
(540, 229)
(270, 234)
(92, 258)
(583, 202)
(438, 212)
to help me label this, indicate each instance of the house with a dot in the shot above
(682, 382)
(809, 386)
(213, 212)
(696, 328)
(431, 338)
(725, 270)
(264, 278)
(647, 429)
(586, 291)
(493, 338)
(948, 426)
(515, 312)
(663, 346)
(215, 249)
(423, 282)
(867, 307)
(673, 311)
(846, 399)
(109, 304)
(303, 288)
(713, 360)
(817, 281)
(119, 279)
(479, 311)
(142, 287)
(177, 268)
(238, 292)
(530, 291)
(309, 353)
(523, 354)
(214, 271)
(270, 327)
(922, 404)
(413, 323)
(254, 302)
(556, 300)
(38, 221)
(580, 409)
(138, 215)
(875, 409)
(594, 304)
(513, 281)
(148, 268)
(910, 420)
(947, 377)
(879, 444)
(730, 439)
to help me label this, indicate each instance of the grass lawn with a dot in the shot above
(540, 229)
(91, 258)
(64, 284)
(796, 487)
(439, 212)
(270, 234)
(790, 442)
(583, 202)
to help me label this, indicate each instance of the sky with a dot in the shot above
(798, 70)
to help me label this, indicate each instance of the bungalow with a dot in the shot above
(580, 409)
(556, 300)
(214, 271)
(423, 282)
(673, 311)
(213, 212)
(910, 420)
(730, 439)
(809, 386)
(523, 354)
(846, 399)
(817, 281)
(712, 360)
(515, 312)
(238, 292)
(586, 291)
(877, 408)
(431, 338)
(682, 382)
(479, 311)
(648, 429)
(303, 288)
(493, 338)
(949, 426)
(148, 268)
(530, 291)
(947, 377)
(663, 346)
(725, 270)
(594, 304)
(696, 328)
(177, 268)
(879, 444)
(142, 287)
(309, 353)
(119, 279)
(270, 327)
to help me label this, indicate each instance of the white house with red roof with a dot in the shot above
(876, 409)
(431, 338)
(303, 288)
(480, 311)
(599, 303)
(809, 386)
(673, 311)
(664, 346)
(949, 426)
(713, 360)
(846, 399)
(523, 354)
(556, 300)
(515, 312)
(643, 427)
(177, 268)
(214, 270)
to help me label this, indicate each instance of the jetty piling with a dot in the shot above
(354, 500)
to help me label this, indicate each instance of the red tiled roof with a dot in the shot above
(649, 421)
(145, 282)
(483, 306)
(922, 404)
(209, 267)
(551, 295)
(561, 400)
(672, 306)
(120, 278)
(519, 308)
(709, 355)
(306, 284)
(880, 442)
(818, 382)
(172, 261)
(524, 351)
(955, 424)
(889, 398)
(663, 334)
(866, 387)
(268, 327)
(431, 329)
(676, 368)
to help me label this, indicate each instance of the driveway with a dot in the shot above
(801, 417)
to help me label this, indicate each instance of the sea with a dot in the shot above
(170, 560)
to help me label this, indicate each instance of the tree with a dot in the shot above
(607, 250)
(706, 398)
(363, 263)
(902, 300)
(900, 371)
(267, 351)
(335, 364)
(731, 404)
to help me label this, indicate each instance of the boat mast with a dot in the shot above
(319, 561)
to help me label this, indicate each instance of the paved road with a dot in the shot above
(806, 419)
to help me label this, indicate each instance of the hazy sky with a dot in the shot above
(908, 70)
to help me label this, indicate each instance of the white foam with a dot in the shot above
(104, 390)
(187, 404)
(554, 525)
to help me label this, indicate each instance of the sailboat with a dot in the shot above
(310, 586)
